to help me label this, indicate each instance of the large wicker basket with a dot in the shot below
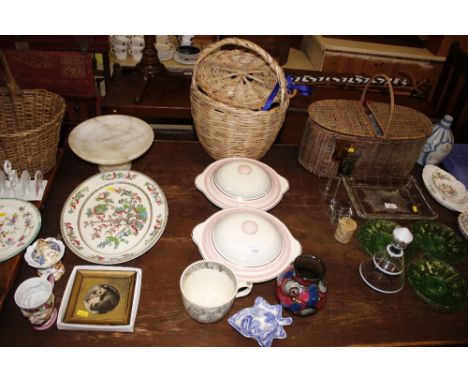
(333, 123)
(30, 122)
(229, 88)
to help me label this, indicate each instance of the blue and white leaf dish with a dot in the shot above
(263, 322)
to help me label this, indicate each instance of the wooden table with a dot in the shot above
(353, 315)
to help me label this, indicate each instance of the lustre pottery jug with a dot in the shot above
(302, 288)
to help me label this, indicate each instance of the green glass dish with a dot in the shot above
(375, 235)
(438, 241)
(438, 284)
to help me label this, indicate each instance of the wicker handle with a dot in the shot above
(392, 100)
(253, 47)
(9, 80)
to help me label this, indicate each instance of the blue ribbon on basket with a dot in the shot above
(305, 90)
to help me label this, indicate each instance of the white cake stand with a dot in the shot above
(111, 141)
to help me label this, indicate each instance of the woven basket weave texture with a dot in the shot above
(229, 88)
(30, 122)
(403, 132)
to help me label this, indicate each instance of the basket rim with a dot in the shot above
(196, 92)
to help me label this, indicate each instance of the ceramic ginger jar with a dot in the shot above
(302, 288)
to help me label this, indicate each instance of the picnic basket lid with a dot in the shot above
(359, 118)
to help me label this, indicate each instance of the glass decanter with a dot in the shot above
(385, 270)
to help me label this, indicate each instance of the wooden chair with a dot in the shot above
(451, 92)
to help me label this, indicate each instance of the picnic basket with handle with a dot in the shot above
(30, 122)
(228, 91)
(388, 137)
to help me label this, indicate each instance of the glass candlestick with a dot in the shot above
(384, 271)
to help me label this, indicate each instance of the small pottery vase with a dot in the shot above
(438, 144)
(45, 255)
(302, 288)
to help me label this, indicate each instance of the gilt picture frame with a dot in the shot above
(100, 298)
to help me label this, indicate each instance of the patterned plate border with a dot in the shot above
(33, 222)
(69, 229)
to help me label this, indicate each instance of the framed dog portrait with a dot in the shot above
(100, 298)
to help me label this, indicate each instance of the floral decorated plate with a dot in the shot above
(114, 217)
(20, 222)
(463, 223)
(444, 188)
(449, 186)
(242, 182)
(375, 235)
(438, 283)
(438, 241)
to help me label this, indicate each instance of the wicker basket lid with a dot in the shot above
(351, 118)
(238, 78)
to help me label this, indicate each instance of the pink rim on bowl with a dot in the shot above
(206, 184)
(202, 235)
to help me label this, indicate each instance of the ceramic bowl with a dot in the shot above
(242, 182)
(44, 253)
(256, 245)
(165, 51)
(188, 52)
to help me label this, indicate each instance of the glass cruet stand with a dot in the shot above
(385, 270)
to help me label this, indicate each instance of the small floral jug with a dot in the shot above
(302, 288)
(439, 143)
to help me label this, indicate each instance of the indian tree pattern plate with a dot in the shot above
(20, 222)
(114, 217)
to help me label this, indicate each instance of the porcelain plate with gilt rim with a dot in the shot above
(114, 217)
(427, 176)
(206, 183)
(20, 222)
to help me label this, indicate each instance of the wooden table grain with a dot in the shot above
(354, 315)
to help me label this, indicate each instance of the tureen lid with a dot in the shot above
(247, 239)
(243, 180)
